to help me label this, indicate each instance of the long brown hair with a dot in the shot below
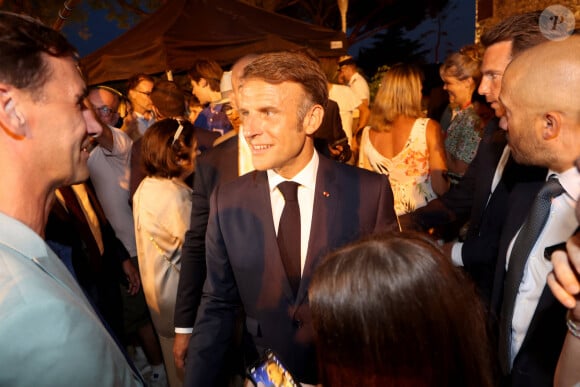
(393, 311)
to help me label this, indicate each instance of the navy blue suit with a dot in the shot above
(244, 265)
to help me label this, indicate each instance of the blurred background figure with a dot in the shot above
(393, 311)
(161, 209)
(139, 88)
(349, 75)
(461, 76)
(403, 145)
(205, 76)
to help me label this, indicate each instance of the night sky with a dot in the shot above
(458, 22)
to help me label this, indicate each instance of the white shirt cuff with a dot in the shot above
(456, 257)
(183, 330)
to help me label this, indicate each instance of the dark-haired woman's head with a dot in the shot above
(168, 149)
(392, 311)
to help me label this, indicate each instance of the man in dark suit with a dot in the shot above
(481, 196)
(282, 101)
(226, 161)
(218, 165)
(540, 96)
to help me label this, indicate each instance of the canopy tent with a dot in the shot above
(223, 30)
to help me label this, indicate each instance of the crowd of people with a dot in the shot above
(277, 215)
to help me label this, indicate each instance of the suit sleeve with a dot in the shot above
(217, 312)
(193, 269)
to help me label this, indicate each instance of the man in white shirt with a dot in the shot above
(281, 104)
(540, 96)
(349, 75)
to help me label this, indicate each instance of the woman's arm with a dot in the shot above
(437, 164)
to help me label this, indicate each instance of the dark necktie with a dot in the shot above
(289, 234)
(522, 247)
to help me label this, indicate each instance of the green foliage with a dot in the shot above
(376, 80)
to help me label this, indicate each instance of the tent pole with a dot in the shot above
(64, 13)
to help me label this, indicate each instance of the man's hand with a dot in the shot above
(564, 279)
(180, 346)
(132, 277)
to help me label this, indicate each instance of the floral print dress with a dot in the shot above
(408, 171)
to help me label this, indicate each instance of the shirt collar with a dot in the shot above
(306, 177)
(570, 180)
(21, 238)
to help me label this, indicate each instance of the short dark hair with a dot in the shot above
(23, 41)
(392, 310)
(168, 98)
(136, 79)
(208, 69)
(278, 67)
(522, 30)
(161, 153)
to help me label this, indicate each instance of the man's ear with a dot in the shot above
(551, 125)
(202, 82)
(313, 119)
(11, 119)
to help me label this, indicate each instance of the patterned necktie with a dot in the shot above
(522, 247)
(289, 234)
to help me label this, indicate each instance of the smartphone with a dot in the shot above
(270, 372)
(550, 249)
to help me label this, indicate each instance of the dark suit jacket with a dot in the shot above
(466, 200)
(244, 264)
(535, 363)
(216, 166)
(469, 200)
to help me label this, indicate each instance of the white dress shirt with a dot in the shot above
(560, 225)
(307, 180)
(456, 250)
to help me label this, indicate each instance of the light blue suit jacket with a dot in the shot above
(50, 333)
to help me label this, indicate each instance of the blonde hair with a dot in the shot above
(464, 64)
(399, 95)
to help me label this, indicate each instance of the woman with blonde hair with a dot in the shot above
(402, 144)
(461, 76)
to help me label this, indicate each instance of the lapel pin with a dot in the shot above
(326, 194)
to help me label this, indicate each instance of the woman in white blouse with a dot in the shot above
(161, 208)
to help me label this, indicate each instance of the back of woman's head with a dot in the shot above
(167, 148)
(464, 64)
(399, 95)
(392, 311)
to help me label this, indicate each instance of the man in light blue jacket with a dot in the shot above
(50, 333)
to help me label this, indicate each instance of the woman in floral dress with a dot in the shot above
(403, 145)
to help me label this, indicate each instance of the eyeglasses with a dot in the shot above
(105, 110)
(147, 93)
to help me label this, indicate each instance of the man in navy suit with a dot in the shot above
(540, 96)
(282, 99)
(481, 196)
